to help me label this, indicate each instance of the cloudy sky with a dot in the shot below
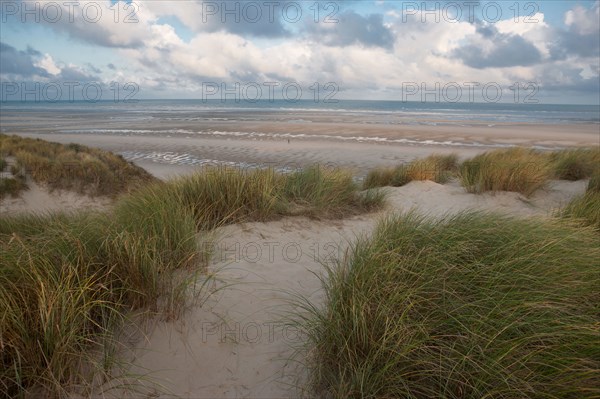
(369, 49)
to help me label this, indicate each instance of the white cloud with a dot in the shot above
(533, 28)
(582, 20)
(421, 52)
(523, 24)
(47, 63)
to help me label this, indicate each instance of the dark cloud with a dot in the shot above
(76, 75)
(93, 68)
(96, 34)
(487, 31)
(24, 79)
(13, 61)
(21, 63)
(582, 37)
(507, 50)
(353, 28)
(259, 29)
(33, 52)
(111, 66)
(571, 43)
(561, 78)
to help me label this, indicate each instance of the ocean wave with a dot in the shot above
(298, 136)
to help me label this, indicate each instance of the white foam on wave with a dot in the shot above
(374, 139)
(299, 136)
(127, 131)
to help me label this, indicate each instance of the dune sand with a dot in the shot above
(239, 343)
(39, 199)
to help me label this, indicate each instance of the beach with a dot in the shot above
(239, 338)
(173, 136)
(341, 200)
(190, 135)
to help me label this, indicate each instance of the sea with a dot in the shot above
(385, 112)
(276, 120)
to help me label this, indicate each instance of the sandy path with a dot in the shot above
(238, 344)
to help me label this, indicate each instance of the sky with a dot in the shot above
(368, 50)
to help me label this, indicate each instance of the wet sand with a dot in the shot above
(172, 138)
(167, 148)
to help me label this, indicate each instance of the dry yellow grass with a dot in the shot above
(73, 167)
(437, 168)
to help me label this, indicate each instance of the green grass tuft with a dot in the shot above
(382, 177)
(594, 183)
(517, 169)
(11, 186)
(585, 209)
(56, 298)
(220, 196)
(474, 305)
(575, 164)
(437, 168)
(325, 192)
(67, 280)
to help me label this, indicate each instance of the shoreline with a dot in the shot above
(329, 127)
(358, 147)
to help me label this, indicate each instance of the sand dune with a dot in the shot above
(239, 343)
(39, 199)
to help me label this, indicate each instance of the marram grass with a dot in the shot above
(220, 196)
(584, 210)
(73, 167)
(437, 168)
(594, 183)
(517, 169)
(526, 170)
(56, 298)
(575, 164)
(11, 186)
(471, 306)
(326, 192)
(67, 281)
